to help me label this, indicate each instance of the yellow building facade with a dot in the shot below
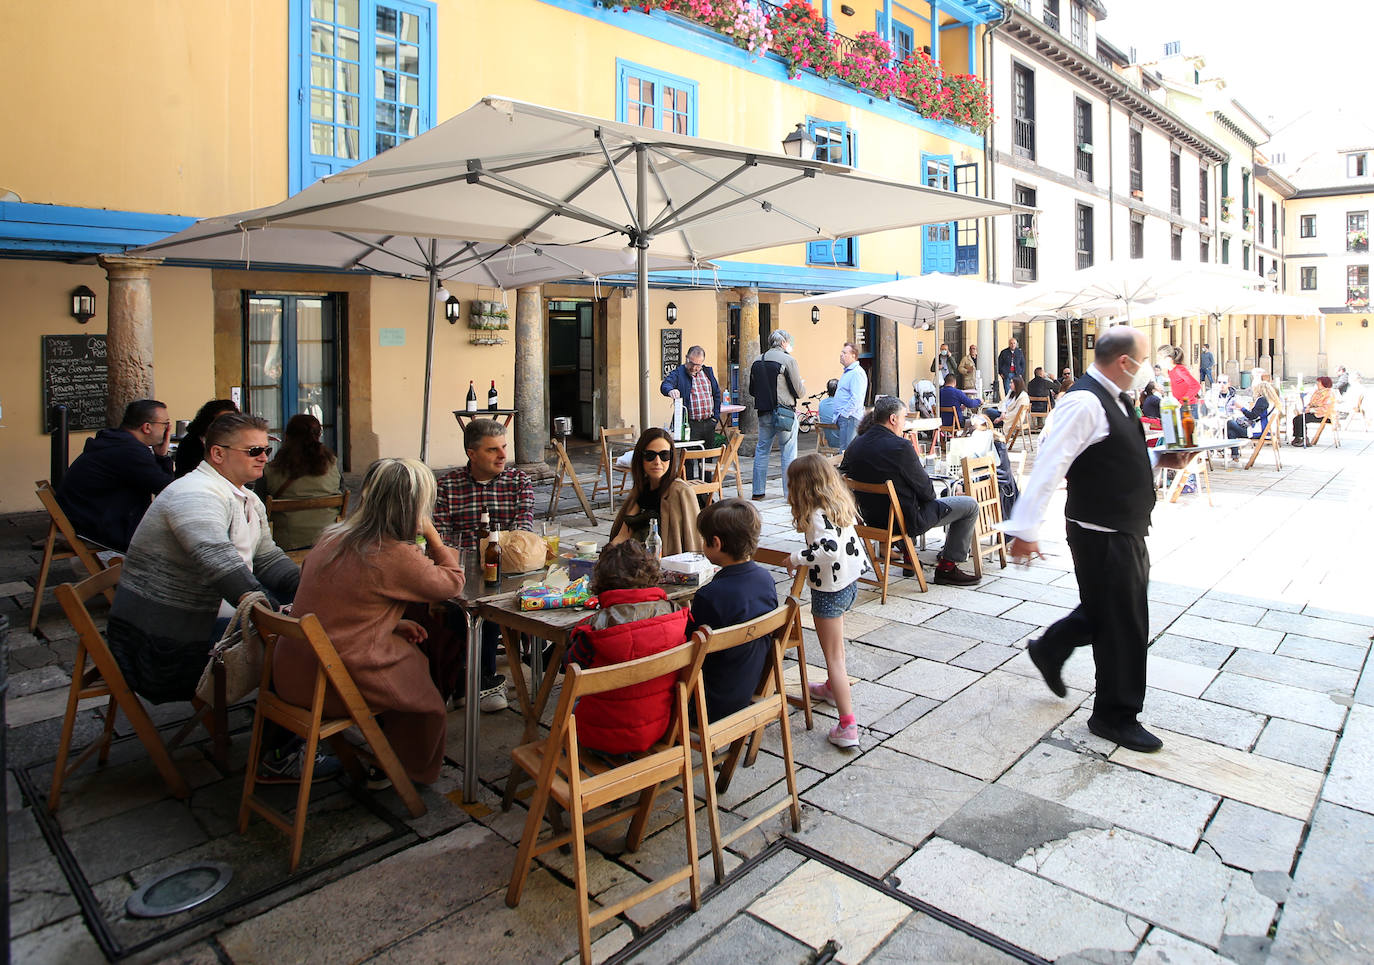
(195, 110)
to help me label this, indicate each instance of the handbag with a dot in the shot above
(236, 659)
(784, 418)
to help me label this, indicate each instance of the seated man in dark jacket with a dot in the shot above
(109, 487)
(953, 397)
(882, 453)
(1041, 388)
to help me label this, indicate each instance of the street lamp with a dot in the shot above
(83, 304)
(1273, 276)
(672, 313)
(799, 143)
(815, 314)
(453, 309)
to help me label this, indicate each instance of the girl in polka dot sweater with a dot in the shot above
(823, 511)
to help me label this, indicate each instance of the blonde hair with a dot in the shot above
(397, 500)
(813, 483)
(1269, 391)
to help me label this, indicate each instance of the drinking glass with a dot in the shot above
(551, 530)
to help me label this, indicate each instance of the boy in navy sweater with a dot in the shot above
(740, 592)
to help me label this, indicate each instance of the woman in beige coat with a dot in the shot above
(358, 580)
(658, 494)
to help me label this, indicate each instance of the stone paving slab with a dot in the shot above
(1253, 839)
(984, 729)
(1316, 650)
(1272, 785)
(816, 904)
(1350, 633)
(1202, 719)
(1178, 676)
(929, 678)
(1188, 650)
(1165, 948)
(1322, 678)
(1212, 608)
(918, 641)
(985, 657)
(1203, 899)
(1037, 592)
(747, 939)
(1228, 634)
(980, 627)
(900, 609)
(1300, 744)
(1042, 917)
(921, 940)
(1004, 823)
(1351, 780)
(1276, 700)
(1173, 813)
(1037, 613)
(972, 599)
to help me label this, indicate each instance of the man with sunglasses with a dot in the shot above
(695, 384)
(202, 547)
(108, 488)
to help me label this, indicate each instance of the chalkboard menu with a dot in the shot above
(670, 340)
(74, 374)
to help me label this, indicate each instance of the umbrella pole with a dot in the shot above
(642, 279)
(429, 349)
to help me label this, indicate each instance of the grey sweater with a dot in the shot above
(182, 563)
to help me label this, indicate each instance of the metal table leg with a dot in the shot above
(472, 716)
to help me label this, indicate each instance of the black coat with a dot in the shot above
(879, 455)
(109, 487)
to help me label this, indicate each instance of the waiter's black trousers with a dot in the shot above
(1113, 615)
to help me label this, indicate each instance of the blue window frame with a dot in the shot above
(966, 232)
(363, 77)
(651, 98)
(902, 37)
(834, 143)
(937, 242)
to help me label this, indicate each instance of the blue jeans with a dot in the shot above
(961, 519)
(787, 441)
(847, 424)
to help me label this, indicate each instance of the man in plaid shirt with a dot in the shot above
(506, 495)
(695, 384)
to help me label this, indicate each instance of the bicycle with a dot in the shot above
(807, 415)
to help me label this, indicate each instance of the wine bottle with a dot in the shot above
(654, 544)
(472, 397)
(492, 404)
(491, 560)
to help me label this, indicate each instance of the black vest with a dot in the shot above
(1111, 482)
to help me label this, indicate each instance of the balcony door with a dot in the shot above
(292, 360)
(937, 242)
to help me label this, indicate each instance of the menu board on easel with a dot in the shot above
(75, 374)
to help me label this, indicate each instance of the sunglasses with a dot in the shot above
(662, 455)
(253, 451)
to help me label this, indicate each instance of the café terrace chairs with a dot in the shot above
(729, 461)
(337, 502)
(880, 541)
(607, 469)
(1269, 436)
(1329, 419)
(1036, 419)
(566, 474)
(310, 724)
(726, 738)
(793, 639)
(823, 447)
(72, 546)
(703, 460)
(950, 425)
(980, 482)
(1017, 428)
(1356, 409)
(101, 677)
(577, 781)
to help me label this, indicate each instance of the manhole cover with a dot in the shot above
(179, 889)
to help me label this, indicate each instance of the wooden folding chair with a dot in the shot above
(793, 639)
(1035, 421)
(1269, 437)
(730, 734)
(702, 459)
(1016, 428)
(579, 782)
(102, 678)
(1327, 420)
(980, 482)
(310, 724)
(566, 473)
(72, 547)
(729, 461)
(823, 447)
(606, 468)
(948, 431)
(879, 541)
(1357, 409)
(337, 502)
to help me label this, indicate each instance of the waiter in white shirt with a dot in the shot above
(1095, 439)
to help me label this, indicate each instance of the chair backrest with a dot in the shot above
(581, 682)
(822, 446)
(337, 501)
(896, 521)
(729, 457)
(952, 411)
(271, 625)
(1039, 404)
(708, 640)
(980, 482)
(48, 497)
(614, 437)
(73, 597)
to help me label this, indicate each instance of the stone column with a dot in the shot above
(1232, 357)
(1321, 344)
(1051, 360)
(1218, 350)
(987, 350)
(1266, 360)
(531, 379)
(1283, 347)
(129, 336)
(749, 350)
(887, 357)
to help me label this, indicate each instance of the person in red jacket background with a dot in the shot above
(636, 620)
(1182, 385)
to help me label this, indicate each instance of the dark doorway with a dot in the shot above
(1070, 343)
(870, 351)
(572, 364)
(292, 358)
(733, 345)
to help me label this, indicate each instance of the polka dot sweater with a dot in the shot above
(833, 557)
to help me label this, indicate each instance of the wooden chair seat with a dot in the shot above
(1017, 428)
(1035, 421)
(607, 470)
(980, 482)
(707, 462)
(71, 546)
(1268, 437)
(569, 779)
(566, 474)
(823, 447)
(1327, 420)
(730, 733)
(310, 724)
(102, 678)
(879, 542)
(1356, 409)
(729, 461)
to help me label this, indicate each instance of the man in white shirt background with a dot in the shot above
(1095, 439)
(851, 393)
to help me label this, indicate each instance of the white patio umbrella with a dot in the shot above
(926, 298)
(1118, 287)
(510, 172)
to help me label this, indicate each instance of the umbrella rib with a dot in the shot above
(809, 171)
(524, 192)
(667, 207)
(745, 199)
(577, 192)
(681, 209)
(615, 174)
(468, 246)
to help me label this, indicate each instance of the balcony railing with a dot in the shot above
(1023, 134)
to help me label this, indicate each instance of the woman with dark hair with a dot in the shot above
(303, 468)
(1149, 403)
(1182, 385)
(658, 494)
(191, 448)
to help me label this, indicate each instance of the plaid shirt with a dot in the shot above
(509, 499)
(701, 404)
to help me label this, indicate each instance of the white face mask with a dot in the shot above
(1142, 376)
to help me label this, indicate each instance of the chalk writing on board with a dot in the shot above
(75, 374)
(671, 341)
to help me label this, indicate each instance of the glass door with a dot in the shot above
(291, 361)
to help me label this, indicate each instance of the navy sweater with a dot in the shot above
(109, 487)
(738, 593)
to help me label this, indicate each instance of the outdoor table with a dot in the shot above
(1199, 462)
(480, 602)
(464, 416)
(727, 415)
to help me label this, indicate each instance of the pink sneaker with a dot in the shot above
(821, 691)
(845, 736)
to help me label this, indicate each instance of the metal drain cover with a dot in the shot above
(179, 889)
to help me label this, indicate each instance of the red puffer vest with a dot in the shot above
(633, 718)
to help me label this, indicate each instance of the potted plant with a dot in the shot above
(919, 77)
(868, 65)
(799, 37)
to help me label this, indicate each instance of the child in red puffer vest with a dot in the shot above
(635, 620)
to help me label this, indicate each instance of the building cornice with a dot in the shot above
(1275, 180)
(1225, 121)
(1037, 38)
(1335, 191)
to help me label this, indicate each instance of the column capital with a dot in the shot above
(124, 267)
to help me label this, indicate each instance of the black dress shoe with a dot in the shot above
(1131, 736)
(760, 495)
(953, 576)
(1053, 678)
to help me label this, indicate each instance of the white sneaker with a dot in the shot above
(493, 696)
